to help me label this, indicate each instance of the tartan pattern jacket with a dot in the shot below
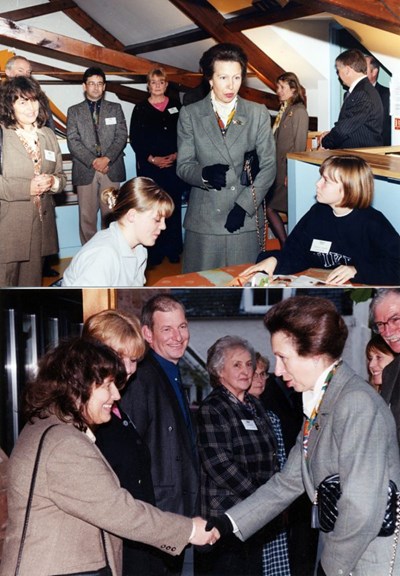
(235, 460)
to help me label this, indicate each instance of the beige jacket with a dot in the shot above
(76, 493)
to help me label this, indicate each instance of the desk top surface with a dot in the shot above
(384, 161)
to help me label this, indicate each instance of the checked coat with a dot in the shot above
(235, 461)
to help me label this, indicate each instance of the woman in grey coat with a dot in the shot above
(213, 137)
(348, 430)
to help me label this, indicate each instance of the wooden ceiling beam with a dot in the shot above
(38, 10)
(72, 50)
(204, 15)
(168, 42)
(256, 19)
(383, 15)
(92, 27)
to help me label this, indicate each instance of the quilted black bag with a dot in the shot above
(251, 168)
(328, 494)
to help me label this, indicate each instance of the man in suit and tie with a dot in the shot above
(384, 93)
(361, 117)
(97, 136)
(157, 403)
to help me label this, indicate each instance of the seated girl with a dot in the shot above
(117, 256)
(341, 232)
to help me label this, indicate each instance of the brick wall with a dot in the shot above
(3, 502)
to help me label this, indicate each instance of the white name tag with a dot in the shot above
(50, 155)
(322, 246)
(173, 110)
(110, 121)
(249, 424)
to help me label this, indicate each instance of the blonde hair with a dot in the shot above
(119, 330)
(140, 194)
(159, 72)
(356, 177)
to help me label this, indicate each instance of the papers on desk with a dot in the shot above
(284, 281)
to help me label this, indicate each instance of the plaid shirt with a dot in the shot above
(235, 460)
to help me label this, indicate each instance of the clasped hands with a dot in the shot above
(208, 532)
(41, 183)
(101, 164)
(163, 161)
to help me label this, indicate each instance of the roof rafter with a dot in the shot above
(256, 19)
(38, 10)
(382, 14)
(203, 14)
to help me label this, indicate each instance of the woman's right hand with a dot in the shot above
(201, 536)
(268, 266)
(41, 183)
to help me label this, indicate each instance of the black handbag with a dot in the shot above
(106, 571)
(328, 494)
(251, 168)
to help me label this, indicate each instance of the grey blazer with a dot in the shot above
(76, 493)
(200, 144)
(81, 140)
(355, 436)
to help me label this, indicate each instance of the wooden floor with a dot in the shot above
(153, 274)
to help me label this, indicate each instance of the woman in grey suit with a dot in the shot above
(348, 430)
(213, 136)
(78, 511)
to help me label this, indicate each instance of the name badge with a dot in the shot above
(322, 246)
(249, 424)
(173, 110)
(110, 121)
(50, 155)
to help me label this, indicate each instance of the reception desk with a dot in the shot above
(303, 173)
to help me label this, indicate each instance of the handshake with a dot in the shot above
(206, 533)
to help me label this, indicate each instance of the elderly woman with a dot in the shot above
(224, 220)
(238, 453)
(77, 511)
(348, 430)
(153, 137)
(290, 130)
(31, 172)
(379, 355)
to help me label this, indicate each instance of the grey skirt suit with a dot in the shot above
(355, 437)
(200, 143)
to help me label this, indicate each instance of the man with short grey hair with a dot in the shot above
(385, 316)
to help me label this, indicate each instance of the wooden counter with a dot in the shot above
(303, 173)
(384, 161)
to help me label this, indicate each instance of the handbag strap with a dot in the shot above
(396, 535)
(261, 239)
(29, 504)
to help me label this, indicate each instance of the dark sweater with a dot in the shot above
(364, 239)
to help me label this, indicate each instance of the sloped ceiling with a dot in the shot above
(176, 32)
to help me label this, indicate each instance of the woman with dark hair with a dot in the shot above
(78, 511)
(348, 431)
(31, 172)
(117, 255)
(238, 453)
(119, 440)
(290, 130)
(224, 221)
(153, 137)
(342, 232)
(379, 355)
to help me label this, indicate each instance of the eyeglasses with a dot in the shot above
(260, 375)
(393, 322)
(93, 84)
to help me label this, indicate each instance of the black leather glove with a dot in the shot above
(235, 219)
(221, 523)
(320, 570)
(215, 175)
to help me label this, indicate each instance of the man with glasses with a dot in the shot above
(97, 136)
(385, 316)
